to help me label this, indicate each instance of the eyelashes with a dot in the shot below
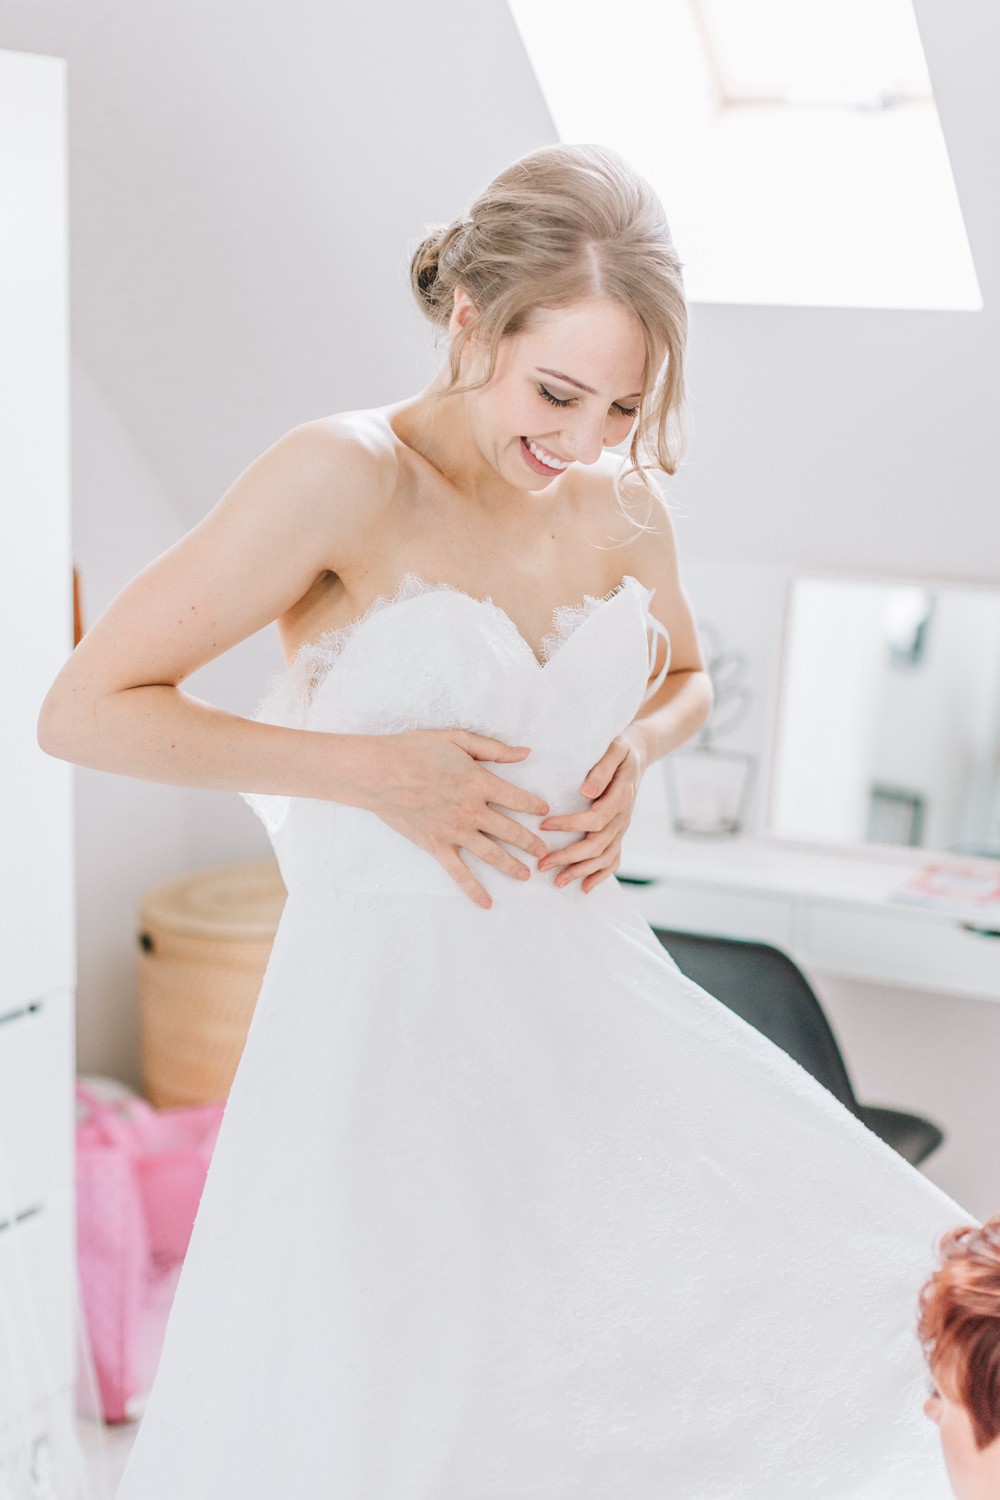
(626, 411)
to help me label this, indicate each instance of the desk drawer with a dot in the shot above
(898, 948)
(36, 1101)
(38, 1304)
(716, 911)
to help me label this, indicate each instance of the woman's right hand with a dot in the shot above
(431, 786)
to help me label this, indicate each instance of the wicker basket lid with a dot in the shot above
(242, 900)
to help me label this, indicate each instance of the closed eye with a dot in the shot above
(626, 411)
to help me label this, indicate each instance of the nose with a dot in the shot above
(585, 441)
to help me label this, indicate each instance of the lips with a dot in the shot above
(558, 467)
(545, 454)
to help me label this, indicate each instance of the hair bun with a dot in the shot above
(424, 267)
(426, 261)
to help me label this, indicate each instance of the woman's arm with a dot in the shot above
(683, 702)
(117, 705)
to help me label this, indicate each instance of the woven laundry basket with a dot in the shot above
(204, 943)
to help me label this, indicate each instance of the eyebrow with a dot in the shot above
(580, 385)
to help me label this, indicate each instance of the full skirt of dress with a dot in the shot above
(505, 1207)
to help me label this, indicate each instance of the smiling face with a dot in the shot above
(974, 1472)
(538, 390)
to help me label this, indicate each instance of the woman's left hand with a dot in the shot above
(613, 784)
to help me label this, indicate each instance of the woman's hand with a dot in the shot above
(430, 785)
(613, 783)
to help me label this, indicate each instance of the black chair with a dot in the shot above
(763, 985)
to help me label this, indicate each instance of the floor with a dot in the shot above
(105, 1448)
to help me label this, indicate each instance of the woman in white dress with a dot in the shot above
(503, 1206)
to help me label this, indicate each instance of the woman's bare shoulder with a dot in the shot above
(348, 457)
(298, 509)
(638, 526)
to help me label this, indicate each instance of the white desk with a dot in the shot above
(828, 909)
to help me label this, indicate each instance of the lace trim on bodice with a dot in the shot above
(291, 689)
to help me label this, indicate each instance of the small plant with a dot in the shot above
(732, 697)
(709, 789)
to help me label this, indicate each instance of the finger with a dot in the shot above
(583, 849)
(557, 857)
(512, 832)
(598, 776)
(463, 876)
(608, 814)
(506, 794)
(482, 747)
(597, 780)
(589, 881)
(590, 786)
(496, 854)
(580, 871)
(588, 821)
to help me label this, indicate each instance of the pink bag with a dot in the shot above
(140, 1172)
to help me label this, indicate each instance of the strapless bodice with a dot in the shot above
(431, 656)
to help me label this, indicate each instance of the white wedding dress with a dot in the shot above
(503, 1206)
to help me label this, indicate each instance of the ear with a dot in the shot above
(463, 310)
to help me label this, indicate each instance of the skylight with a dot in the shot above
(796, 147)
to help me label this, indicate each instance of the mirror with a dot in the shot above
(888, 726)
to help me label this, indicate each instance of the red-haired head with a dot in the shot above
(959, 1329)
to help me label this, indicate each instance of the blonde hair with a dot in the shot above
(565, 223)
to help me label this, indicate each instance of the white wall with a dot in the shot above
(129, 833)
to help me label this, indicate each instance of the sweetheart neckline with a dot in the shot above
(415, 581)
(292, 689)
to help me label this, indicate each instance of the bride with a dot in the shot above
(503, 1206)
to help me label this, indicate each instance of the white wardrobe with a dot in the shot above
(37, 955)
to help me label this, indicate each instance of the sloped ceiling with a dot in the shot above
(246, 182)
